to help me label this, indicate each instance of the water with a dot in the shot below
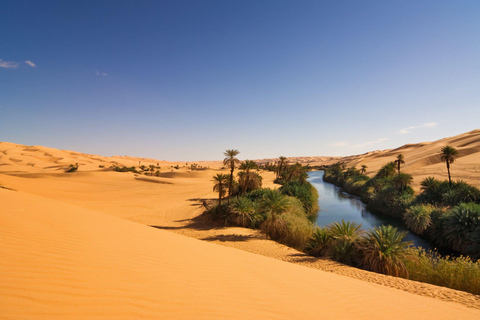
(336, 205)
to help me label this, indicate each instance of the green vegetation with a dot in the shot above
(446, 213)
(231, 161)
(283, 215)
(72, 168)
(459, 273)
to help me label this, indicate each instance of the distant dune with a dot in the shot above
(421, 159)
(79, 246)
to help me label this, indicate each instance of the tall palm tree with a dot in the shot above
(283, 160)
(400, 160)
(247, 175)
(364, 169)
(448, 156)
(221, 181)
(230, 161)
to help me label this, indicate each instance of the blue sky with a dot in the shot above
(185, 80)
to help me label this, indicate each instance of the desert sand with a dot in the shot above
(102, 244)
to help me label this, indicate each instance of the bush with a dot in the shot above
(306, 193)
(418, 218)
(319, 243)
(346, 236)
(461, 225)
(241, 212)
(72, 168)
(384, 251)
(459, 273)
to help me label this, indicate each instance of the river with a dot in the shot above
(336, 205)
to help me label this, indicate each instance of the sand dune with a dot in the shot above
(78, 245)
(421, 159)
(62, 261)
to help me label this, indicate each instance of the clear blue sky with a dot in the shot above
(185, 80)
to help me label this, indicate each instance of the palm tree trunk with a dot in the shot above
(449, 178)
(230, 183)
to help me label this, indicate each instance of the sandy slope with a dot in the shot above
(421, 159)
(62, 261)
(66, 254)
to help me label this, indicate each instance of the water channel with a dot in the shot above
(336, 205)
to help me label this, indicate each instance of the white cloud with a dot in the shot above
(8, 64)
(104, 74)
(425, 125)
(30, 63)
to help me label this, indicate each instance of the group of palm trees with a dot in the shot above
(247, 178)
(447, 155)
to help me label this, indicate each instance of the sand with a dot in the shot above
(80, 245)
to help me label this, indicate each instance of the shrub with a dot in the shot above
(346, 236)
(306, 193)
(384, 251)
(241, 212)
(319, 243)
(459, 273)
(418, 218)
(72, 168)
(460, 226)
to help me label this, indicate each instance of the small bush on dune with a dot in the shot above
(384, 251)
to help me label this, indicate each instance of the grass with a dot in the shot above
(459, 273)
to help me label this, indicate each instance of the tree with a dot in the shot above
(400, 160)
(230, 161)
(283, 160)
(221, 181)
(152, 169)
(364, 169)
(246, 177)
(448, 156)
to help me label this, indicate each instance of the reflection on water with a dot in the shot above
(336, 205)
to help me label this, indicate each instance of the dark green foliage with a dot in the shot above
(418, 218)
(124, 169)
(442, 193)
(384, 251)
(346, 236)
(461, 226)
(306, 193)
(72, 168)
(319, 243)
(241, 212)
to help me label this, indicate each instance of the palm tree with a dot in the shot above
(283, 160)
(152, 169)
(220, 181)
(400, 160)
(448, 156)
(231, 161)
(384, 251)
(274, 203)
(364, 169)
(247, 175)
